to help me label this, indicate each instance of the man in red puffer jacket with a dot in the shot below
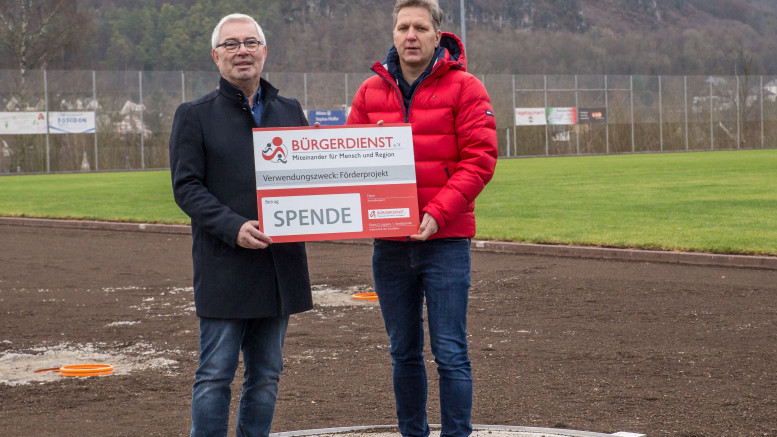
(424, 82)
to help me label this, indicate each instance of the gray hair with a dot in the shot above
(430, 5)
(214, 40)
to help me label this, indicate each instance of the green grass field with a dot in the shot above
(145, 196)
(720, 202)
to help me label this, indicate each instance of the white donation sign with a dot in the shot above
(325, 183)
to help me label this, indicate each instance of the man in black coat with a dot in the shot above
(245, 287)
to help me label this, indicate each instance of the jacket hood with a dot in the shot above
(455, 47)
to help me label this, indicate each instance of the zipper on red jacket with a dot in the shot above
(395, 85)
(407, 112)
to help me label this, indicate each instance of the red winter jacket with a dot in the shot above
(454, 135)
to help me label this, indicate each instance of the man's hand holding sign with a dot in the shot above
(251, 237)
(427, 229)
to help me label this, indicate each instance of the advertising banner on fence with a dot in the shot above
(71, 122)
(327, 118)
(530, 117)
(591, 115)
(330, 183)
(23, 123)
(562, 116)
(15, 123)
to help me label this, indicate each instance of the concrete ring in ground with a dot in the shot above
(478, 431)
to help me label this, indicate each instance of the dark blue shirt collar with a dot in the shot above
(392, 64)
(258, 106)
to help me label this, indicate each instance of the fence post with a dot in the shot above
(305, 88)
(142, 126)
(631, 92)
(660, 115)
(96, 120)
(607, 111)
(739, 121)
(761, 99)
(507, 137)
(712, 131)
(577, 126)
(46, 99)
(183, 87)
(545, 88)
(512, 117)
(685, 90)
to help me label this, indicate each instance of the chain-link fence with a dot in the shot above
(61, 121)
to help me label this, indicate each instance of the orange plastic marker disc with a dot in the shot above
(370, 296)
(86, 370)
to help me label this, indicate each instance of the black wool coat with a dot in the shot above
(214, 183)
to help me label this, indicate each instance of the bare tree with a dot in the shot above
(35, 31)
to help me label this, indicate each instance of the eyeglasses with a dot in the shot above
(233, 46)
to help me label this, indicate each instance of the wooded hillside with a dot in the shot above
(503, 36)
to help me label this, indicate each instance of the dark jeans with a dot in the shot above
(405, 274)
(221, 341)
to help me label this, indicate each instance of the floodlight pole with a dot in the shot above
(463, 27)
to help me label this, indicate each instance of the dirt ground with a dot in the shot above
(605, 346)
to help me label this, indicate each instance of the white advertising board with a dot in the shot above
(71, 122)
(14, 123)
(530, 117)
(34, 123)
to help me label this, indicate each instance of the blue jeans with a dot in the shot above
(405, 273)
(221, 341)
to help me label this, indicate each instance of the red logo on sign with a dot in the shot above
(275, 151)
